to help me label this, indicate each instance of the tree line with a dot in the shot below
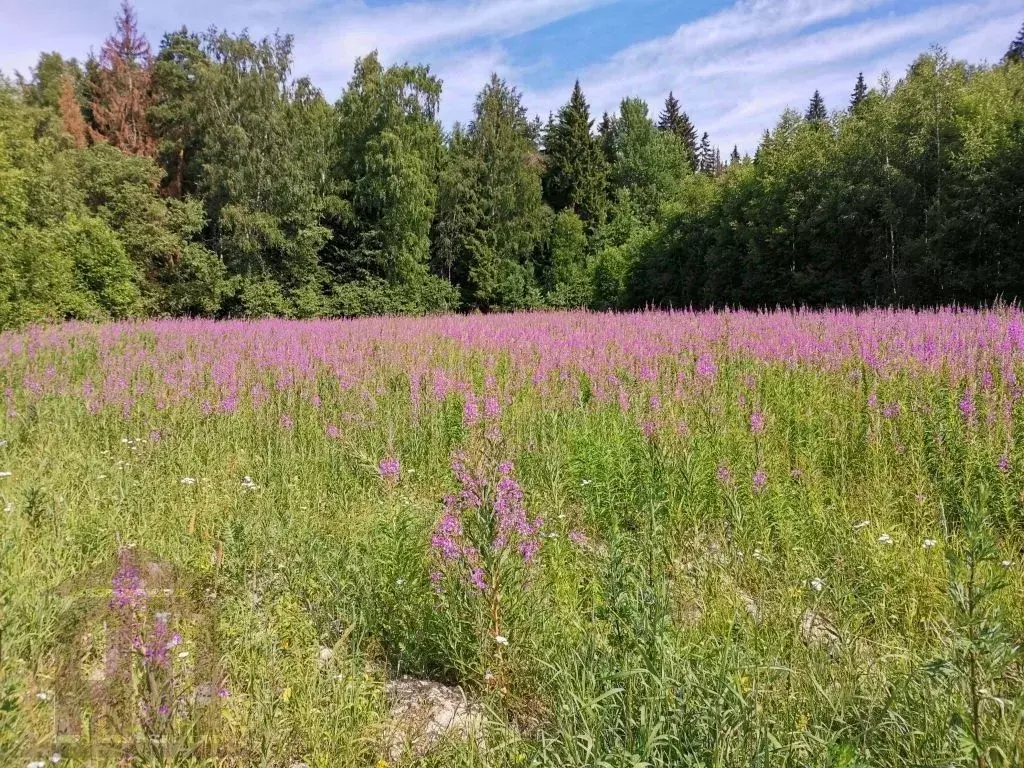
(203, 179)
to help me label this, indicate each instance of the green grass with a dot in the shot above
(637, 648)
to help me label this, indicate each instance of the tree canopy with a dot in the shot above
(204, 178)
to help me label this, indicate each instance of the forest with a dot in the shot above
(203, 178)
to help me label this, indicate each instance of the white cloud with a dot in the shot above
(735, 71)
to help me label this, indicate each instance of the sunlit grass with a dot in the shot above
(675, 615)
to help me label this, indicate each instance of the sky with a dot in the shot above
(735, 65)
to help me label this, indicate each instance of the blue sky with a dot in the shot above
(734, 64)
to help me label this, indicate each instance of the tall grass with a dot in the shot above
(769, 540)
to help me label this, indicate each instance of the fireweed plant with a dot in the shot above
(662, 539)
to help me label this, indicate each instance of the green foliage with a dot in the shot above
(575, 175)
(569, 279)
(389, 145)
(909, 199)
(251, 195)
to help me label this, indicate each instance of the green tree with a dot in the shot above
(860, 90)
(576, 173)
(648, 163)
(264, 153)
(502, 273)
(1015, 53)
(388, 152)
(569, 279)
(675, 121)
(816, 112)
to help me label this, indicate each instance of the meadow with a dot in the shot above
(652, 539)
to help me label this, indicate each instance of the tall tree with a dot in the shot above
(816, 112)
(388, 154)
(576, 172)
(70, 110)
(177, 70)
(734, 157)
(675, 121)
(120, 88)
(706, 155)
(860, 90)
(1015, 53)
(513, 217)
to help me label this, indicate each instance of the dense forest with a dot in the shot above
(204, 179)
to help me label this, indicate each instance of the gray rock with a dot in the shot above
(424, 713)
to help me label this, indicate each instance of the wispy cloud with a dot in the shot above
(738, 69)
(734, 69)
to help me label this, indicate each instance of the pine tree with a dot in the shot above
(121, 88)
(705, 156)
(860, 90)
(606, 136)
(677, 122)
(1015, 53)
(576, 176)
(816, 112)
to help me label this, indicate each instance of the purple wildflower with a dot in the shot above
(756, 422)
(1004, 463)
(760, 480)
(389, 469)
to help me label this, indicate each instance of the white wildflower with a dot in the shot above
(399, 582)
(1006, 563)
(501, 640)
(36, 764)
(759, 555)
(928, 543)
(885, 538)
(188, 481)
(5, 473)
(42, 696)
(3, 443)
(183, 655)
(817, 585)
(55, 758)
(325, 655)
(8, 507)
(585, 482)
(249, 484)
(861, 525)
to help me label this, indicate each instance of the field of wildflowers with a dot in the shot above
(660, 539)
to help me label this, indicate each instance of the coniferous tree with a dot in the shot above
(860, 90)
(120, 88)
(512, 222)
(706, 156)
(576, 173)
(1015, 53)
(816, 112)
(734, 158)
(606, 136)
(673, 120)
(70, 110)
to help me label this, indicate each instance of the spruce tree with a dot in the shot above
(674, 120)
(816, 112)
(734, 158)
(576, 174)
(860, 90)
(120, 89)
(606, 137)
(1015, 53)
(706, 156)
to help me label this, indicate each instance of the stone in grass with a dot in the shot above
(818, 632)
(425, 713)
